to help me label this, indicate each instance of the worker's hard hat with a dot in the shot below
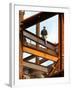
(44, 27)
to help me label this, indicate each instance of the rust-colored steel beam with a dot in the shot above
(61, 30)
(39, 53)
(37, 34)
(35, 66)
(21, 14)
(33, 56)
(37, 18)
(45, 50)
(29, 57)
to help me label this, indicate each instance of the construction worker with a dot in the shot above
(44, 34)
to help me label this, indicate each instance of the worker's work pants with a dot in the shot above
(45, 38)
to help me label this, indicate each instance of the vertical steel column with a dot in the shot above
(37, 45)
(21, 14)
(61, 29)
(62, 41)
(62, 16)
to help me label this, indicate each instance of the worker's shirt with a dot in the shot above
(44, 32)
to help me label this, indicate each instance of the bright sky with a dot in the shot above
(51, 25)
(29, 14)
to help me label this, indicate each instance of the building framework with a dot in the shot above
(54, 52)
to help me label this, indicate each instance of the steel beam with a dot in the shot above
(29, 57)
(34, 66)
(45, 50)
(37, 18)
(39, 53)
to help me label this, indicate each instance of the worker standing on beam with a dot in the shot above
(44, 34)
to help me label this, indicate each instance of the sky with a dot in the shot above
(51, 25)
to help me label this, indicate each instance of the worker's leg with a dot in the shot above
(45, 40)
(43, 37)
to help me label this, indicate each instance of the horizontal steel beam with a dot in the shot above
(29, 57)
(39, 53)
(45, 50)
(38, 40)
(34, 66)
(37, 18)
(33, 56)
